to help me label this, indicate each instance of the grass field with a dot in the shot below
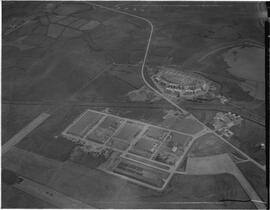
(247, 138)
(87, 159)
(118, 144)
(46, 140)
(70, 57)
(106, 88)
(129, 131)
(144, 114)
(30, 165)
(105, 191)
(256, 177)
(210, 144)
(188, 126)
(225, 24)
(14, 198)
(15, 117)
(99, 135)
(85, 123)
(156, 133)
(143, 147)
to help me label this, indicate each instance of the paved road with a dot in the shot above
(51, 196)
(24, 132)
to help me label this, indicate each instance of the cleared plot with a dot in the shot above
(129, 131)
(165, 157)
(176, 143)
(144, 147)
(105, 130)
(147, 161)
(118, 144)
(141, 172)
(111, 123)
(55, 30)
(210, 144)
(85, 123)
(173, 148)
(189, 126)
(156, 133)
(99, 135)
(90, 25)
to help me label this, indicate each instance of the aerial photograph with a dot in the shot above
(134, 105)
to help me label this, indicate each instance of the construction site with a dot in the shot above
(144, 154)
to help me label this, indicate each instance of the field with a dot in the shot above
(87, 159)
(185, 38)
(248, 137)
(256, 177)
(84, 124)
(153, 115)
(30, 165)
(129, 131)
(15, 117)
(14, 198)
(118, 193)
(210, 144)
(185, 125)
(64, 51)
(46, 140)
(152, 163)
(75, 56)
(118, 144)
(177, 140)
(156, 133)
(105, 130)
(144, 147)
(172, 148)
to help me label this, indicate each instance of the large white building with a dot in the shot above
(183, 85)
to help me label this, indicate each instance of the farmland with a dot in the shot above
(112, 139)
